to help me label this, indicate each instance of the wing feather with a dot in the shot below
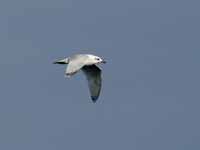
(93, 75)
(75, 64)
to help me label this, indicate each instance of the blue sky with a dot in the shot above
(150, 96)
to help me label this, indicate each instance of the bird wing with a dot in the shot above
(75, 64)
(93, 75)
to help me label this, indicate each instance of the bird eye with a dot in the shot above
(97, 59)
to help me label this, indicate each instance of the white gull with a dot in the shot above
(86, 63)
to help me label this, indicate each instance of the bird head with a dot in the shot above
(96, 59)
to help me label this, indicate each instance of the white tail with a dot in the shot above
(63, 61)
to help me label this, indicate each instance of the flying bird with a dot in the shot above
(88, 64)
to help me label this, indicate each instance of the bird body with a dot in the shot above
(86, 63)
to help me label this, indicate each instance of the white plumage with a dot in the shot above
(86, 63)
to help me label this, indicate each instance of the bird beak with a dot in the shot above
(103, 61)
(63, 61)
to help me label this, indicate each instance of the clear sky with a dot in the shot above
(151, 87)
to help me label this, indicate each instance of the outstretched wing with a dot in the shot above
(93, 75)
(75, 64)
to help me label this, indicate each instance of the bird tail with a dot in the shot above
(62, 61)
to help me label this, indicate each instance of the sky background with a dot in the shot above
(151, 88)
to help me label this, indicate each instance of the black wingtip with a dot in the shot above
(94, 98)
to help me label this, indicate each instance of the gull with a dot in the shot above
(88, 64)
